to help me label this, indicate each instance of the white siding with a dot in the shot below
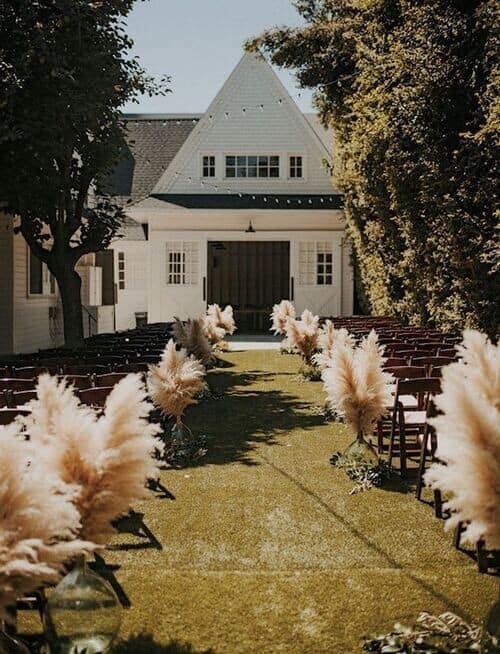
(134, 297)
(33, 329)
(6, 237)
(278, 128)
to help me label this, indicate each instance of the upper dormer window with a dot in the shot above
(296, 170)
(252, 166)
(209, 165)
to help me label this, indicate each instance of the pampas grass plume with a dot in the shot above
(107, 460)
(222, 319)
(281, 313)
(356, 385)
(303, 334)
(468, 437)
(176, 381)
(38, 521)
(191, 336)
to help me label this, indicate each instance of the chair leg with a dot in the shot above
(438, 504)
(458, 535)
(402, 452)
(421, 465)
(482, 557)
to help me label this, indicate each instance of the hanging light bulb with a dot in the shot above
(226, 114)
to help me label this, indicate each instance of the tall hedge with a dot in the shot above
(410, 88)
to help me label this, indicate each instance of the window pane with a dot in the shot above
(242, 172)
(252, 161)
(230, 172)
(242, 161)
(263, 172)
(275, 161)
(263, 161)
(274, 172)
(230, 161)
(252, 171)
(36, 280)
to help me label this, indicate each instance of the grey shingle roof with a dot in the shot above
(152, 141)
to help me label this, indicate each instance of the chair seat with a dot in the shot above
(414, 417)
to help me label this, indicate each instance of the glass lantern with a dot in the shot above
(362, 450)
(83, 614)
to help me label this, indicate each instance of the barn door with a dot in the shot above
(251, 276)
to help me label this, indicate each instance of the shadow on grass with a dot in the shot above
(246, 417)
(133, 524)
(146, 644)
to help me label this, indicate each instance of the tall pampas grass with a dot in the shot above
(38, 521)
(107, 460)
(303, 334)
(356, 385)
(280, 315)
(327, 338)
(191, 336)
(175, 382)
(222, 319)
(468, 436)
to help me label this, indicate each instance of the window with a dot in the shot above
(121, 271)
(295, 167)
(209, 166)
(315, 263)
(252, 166)
(182, 262)
(41, 281)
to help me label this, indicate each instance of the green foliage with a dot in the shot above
(444, 634)
(65, 72)
(411, 91)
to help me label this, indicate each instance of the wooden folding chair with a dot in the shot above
(110, 379)
(9, 415)
(428, 446)
(20, 398)
(410, 421)
(80, 382)
(430, 362)
(16, 384)
(95, 397)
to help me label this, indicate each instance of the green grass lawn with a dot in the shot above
(260, 548)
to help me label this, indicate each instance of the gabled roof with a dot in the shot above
(250, 64)
(152, 141)
(274, 201)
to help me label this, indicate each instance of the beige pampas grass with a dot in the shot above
(328, 336)
(281, 313)
(303, 334)
(38, 522)
(468, 436)
(175, 382)
(191, 336)
(355, 383)
(222, 319)
(212, 331)
(106, 460)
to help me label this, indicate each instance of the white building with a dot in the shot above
(234, 206)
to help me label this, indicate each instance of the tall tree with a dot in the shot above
(410, 88)
(66, 69)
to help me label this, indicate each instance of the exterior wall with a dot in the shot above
(33, 328)
(185, 301)
(270, 125)
(6, 284)
(134, 297)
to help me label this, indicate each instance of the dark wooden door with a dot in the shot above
(251, 276)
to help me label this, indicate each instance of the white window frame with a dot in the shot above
(316, 263)
(49, 286)
(182, 263)
(247, 155)
(121, 263)
(295, 155)
(202, 165)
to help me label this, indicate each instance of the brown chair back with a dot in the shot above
(95, 396)
(15, 384)
(110, 379)
(406, 372)
(80, 382)
(20, 398)
(85, 370)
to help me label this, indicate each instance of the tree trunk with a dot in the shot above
(70, 283)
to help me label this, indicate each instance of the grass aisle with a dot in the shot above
(263, 549)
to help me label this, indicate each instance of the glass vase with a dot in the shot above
(83, 614)
(11, 645)
(362, 450)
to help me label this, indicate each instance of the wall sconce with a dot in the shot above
(250, 229)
